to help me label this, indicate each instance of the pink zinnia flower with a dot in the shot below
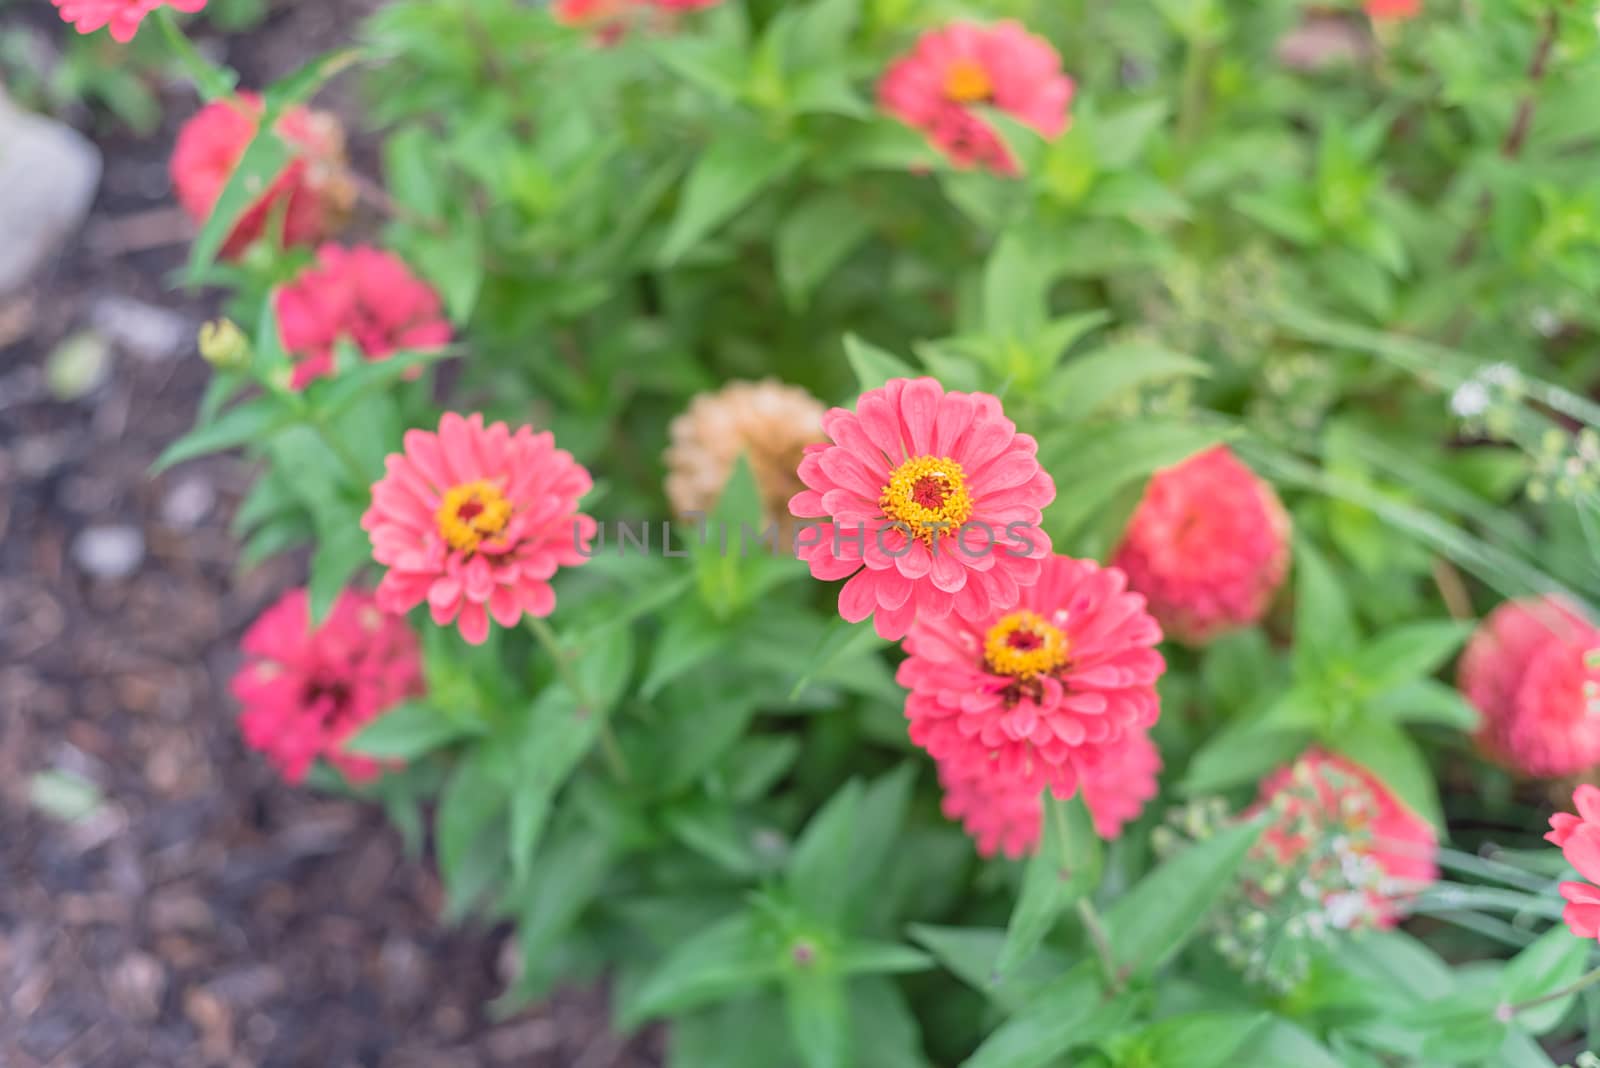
(1533, 670)
(313, 192)
(952, 72)
(1208, 546)
(1045, 695)
(475, 520)
(122, 16)
(306, 692)
(609, 19)
(933, 500)
(360, 294)
(1579, 840)
(1361, 845)
(1007, 815)
(1393, 9)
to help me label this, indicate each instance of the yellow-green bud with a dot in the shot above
(224, 345)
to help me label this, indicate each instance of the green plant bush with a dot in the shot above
(1361, 252)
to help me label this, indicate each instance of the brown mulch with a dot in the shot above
(201, 913)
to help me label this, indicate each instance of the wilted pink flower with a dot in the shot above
(306, 692)
(122, 16)
(475, 520)
(933, 502)
(942, 83)
(313, 192)
(1393, 9)
(1533, 670)
(1036, 695)
(1208, 546)
(1006, 815)
(362, 295)
(1579, 840)
(1359, 844)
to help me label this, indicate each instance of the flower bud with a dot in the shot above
(223, 345)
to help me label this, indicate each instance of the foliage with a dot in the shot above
(1372, 275)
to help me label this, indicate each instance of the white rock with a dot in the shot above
(109, 552)
(48, 177)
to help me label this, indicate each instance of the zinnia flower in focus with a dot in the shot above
(933, 502)
(314, 192)
(1007, 816)
(1337, 829)
(1533, 670)
(1047, 694)
(306, 692)
(1208, 546)
(768, 422)
(1578, 837)
(1393, 9)
(360, 294)
(952, 72)
(122, 16)
(475, 520)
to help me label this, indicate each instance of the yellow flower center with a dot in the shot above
(966, 82)
(928, 495)
(1023, 645)
(472, 512)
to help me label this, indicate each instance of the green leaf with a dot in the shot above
(879, 958)
(1015, 283)
(1240, 753)
(883, 1029)
(411, 169)
(1390, 754)
(1407, 652)
(1201, 1039)
(872, 365)
(470, 859)
(738, 165)
(1324, 625)
(727, 958)
(1151, 922)
(250, 423)
(814, 238)
(843, 642)
(1065, 867)
(972, 954)
(1082, 386)
(1071, 1012)
(1281, 1044)
(1099, 461)
(341, 552)
(819, 871)
(819, 1017)
(1556, 960)
(409, 730)
(262, 161)
(1426, 701)
(453, 260)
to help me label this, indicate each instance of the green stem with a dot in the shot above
(1096, 927)
(586, 706)
(1192, 101)
(212, 81)
(1508, 1011)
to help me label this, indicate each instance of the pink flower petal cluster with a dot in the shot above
(121, 16)
(363, 295)
(610, 19)
(1380, 10)
(305, 692)
(1376, 851)
(1007, 816)
(953, 72)
(932, 502)
(1208, 546)
(313, 192)
(1533, 670)
(1578, 838)
(475, 520)
(1046, 695)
